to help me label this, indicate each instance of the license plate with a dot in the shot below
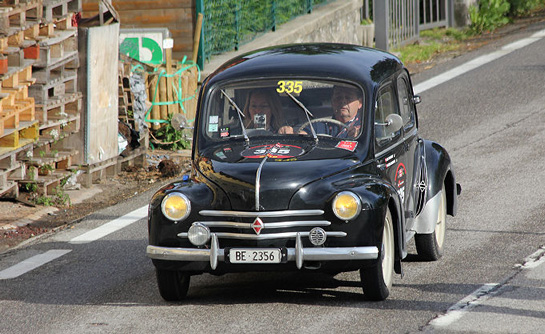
(262, 255)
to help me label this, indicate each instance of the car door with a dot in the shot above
(411, 158)
(390, 149)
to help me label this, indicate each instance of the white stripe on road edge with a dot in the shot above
(112, 226)
(32, 263)
(534, 260)
(477, 62)
(457, 310)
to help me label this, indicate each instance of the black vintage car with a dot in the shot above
(305, 157)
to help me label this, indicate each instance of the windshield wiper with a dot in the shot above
(307, 113)
(240, 116)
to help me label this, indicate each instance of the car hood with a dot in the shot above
(279, 169)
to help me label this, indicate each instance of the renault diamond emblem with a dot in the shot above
(258, 225)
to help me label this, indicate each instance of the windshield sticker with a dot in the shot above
(212, 127)
(347, 145)
(275, 151)
(213, 119)
(224, 132)
(289, 87)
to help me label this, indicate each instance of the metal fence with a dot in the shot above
(230, 23)
(398, 22)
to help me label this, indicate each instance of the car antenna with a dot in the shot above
(240, 116)
(307, 113)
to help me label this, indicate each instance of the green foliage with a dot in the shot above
(488, 15)
(169, 138)
(432, 42)
(521, 7)
(60, 198)
(228, 23)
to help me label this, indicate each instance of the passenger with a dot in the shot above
(264, 111)
(346, 103)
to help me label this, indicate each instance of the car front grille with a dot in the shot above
(239, 225)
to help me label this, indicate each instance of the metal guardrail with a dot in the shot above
(230, 23)
(398, 22)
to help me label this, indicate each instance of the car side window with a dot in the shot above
(406, 108)
(385, 106)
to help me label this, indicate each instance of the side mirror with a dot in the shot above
(417, 99)
(394, 122)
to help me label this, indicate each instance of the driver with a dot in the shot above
(346, 103)
(264, 111)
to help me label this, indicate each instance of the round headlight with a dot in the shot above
(176, 206)
(198, 234)
(346, 205)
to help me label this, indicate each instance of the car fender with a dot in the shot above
(439, 171)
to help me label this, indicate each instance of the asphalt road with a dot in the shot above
(491, 120)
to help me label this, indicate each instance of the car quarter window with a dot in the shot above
(405, 106)
(385, 106)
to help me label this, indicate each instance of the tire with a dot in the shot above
(173, 285)
(430, 246)
(377, 279)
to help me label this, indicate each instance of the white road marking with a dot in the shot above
(32, 263)
(111, 227)
(477, 62)
(457, 310)
(534, 260)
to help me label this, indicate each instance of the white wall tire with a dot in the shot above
(377, 279)
(430, 246)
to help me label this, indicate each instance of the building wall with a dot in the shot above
(176, 15)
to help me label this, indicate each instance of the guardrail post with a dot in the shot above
(199, 8)
(450, 13)
(273, 14)
(381, 17)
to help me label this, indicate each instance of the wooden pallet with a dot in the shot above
(56, 70)
(46, 185)
(59, 129)
(19, 15)
(54, 88)
(59, 107)
(57, 48)
(58, 9)
(25, 133)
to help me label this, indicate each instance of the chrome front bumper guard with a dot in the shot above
(297, 254)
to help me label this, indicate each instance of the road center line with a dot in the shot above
(32, 263)
(477, 62)
(111, 227)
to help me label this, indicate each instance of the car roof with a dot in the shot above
(361, 65)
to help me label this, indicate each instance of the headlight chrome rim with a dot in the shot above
(356, 201)
(187, 204)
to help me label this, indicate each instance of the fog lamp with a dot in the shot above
(198, 234)
(346, 205)
(176, 206)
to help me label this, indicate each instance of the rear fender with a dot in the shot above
(439, 172)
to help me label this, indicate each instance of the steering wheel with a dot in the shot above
(322, 120)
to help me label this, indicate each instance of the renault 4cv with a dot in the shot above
(304, 157)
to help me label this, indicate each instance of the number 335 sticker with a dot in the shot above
(289, 87)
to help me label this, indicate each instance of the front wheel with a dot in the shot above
(430, 246)
(377, 279)
(173, 285)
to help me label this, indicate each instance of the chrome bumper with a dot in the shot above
(297, 254)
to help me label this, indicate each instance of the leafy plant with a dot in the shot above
(488, 15)
(169, 138)
(521, 7)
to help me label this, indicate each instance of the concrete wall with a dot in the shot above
(461, 12)
(336, 22)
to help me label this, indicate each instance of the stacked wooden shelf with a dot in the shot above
(40, 104)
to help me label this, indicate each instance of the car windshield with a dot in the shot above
(295, 107)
